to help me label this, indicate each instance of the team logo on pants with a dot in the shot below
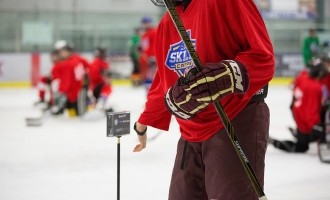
(178, 58)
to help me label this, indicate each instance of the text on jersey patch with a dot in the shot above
(178, 58)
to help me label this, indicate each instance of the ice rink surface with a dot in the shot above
(72, 159)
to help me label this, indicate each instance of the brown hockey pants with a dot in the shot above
(211, 170)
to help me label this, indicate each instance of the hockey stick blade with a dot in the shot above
(34, 121)
(223, 116)
(154, 136)
(37, 121)
(158, 3)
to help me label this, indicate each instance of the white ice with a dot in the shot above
(72, 159)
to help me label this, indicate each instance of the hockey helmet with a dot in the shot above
(100, 52)
(161, 2)
(146, 20)
(62, 44)
(316, 68)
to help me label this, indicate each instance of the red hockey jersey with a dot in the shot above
(62, 73)
(219, 29)
(55, 70)
(95, 72)
(148, 42)
(307, 103)
(80, 67)
(71, 72)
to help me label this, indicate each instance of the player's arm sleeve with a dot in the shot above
(54, 72)
(106, 65)
(103, 68)
(314, 117)
(85, 63)
(256, 51)
(155, 113)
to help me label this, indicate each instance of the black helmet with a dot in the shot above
(316, 68)
(100, 52)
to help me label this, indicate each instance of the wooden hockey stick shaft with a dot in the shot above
(223, 116)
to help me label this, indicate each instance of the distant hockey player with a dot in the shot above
(308, 107)
(235, 49)
(73, 75)
(311, 46)
(134, 54)
(147, 61)
(99, 76)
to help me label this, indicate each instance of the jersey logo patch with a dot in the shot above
(178, 58)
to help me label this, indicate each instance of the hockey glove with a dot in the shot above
(217, 80)
(60, 101)
(180, 103)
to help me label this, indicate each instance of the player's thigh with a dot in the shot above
(225, 177)
(187, 181)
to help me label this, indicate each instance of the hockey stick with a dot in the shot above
(224, 118)
(155, 136)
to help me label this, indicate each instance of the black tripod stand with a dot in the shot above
(118, 124)
(118, 167)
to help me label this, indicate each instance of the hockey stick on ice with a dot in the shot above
(223, 116)
(38, 121)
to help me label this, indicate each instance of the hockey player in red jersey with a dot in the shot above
(309, 99)
(99, 77)
(63, 76)
(234, 47)
(73, 73)
(148, 64)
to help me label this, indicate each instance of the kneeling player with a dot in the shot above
(73, 78)
(309, 99)
(100, 77)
